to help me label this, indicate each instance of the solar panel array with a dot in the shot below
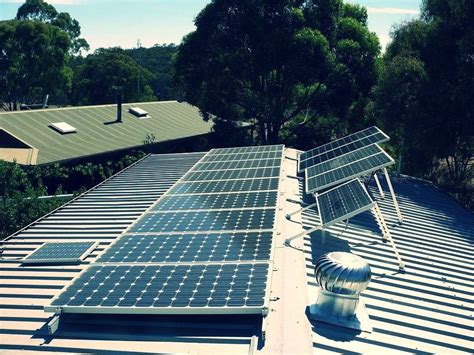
(60, 253)
(339, 170)
(343, 202)
(204, 247)
(341, 146)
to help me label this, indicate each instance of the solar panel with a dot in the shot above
(343, 202)
(343, 160)
(190, 248)
(242, 156)
(225, 186)
(217, 201)
(356, 140)
(225, 220)
(154, 289)
(346, 172)
(239, 150)
(204, 247)
(60, 253)
(238, 174)
(239, 164)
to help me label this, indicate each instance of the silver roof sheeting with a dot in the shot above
(428, 309)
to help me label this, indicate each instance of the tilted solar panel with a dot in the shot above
(340, 174)
(340, 146)
(60, 253)
(343, 202)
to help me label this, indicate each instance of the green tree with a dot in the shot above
(159, 61)
(33, 61)
(39, 10)
(96, 80)
(273, 62)
(425, 94)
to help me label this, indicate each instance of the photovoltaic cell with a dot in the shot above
(237, 174)
(343, 202)
(155, 288)
(190, 248)
(344, 173)
(225, 186)
(239, 150)
(241, 156)
(59, 253)
(344, 160)
(214, 201)
(341, 151)
(171, 259)
(239, 164)
(225, 220)
(379, 137)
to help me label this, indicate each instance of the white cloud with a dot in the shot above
(392, 11)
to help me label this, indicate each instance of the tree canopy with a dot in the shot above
(106, 72)
(425, 93)
(273, 62)
(39, 10)
(33, 61)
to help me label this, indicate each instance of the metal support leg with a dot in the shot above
(299, 235)
(395, 203)
(53, 324)
(386, 234)
(288, 215)
(377, 182)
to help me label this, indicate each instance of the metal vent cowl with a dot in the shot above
(342, 273)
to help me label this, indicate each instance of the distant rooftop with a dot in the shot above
(29, 138)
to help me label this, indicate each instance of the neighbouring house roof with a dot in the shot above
(428, 309)
(167, 121)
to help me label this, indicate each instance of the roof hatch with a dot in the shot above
(63, 127)
(138, 112)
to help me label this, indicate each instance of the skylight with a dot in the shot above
(63, 127)
(138, 112)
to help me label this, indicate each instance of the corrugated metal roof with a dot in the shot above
(428, 309)
(169, 120)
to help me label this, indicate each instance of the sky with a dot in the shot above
(109, 23)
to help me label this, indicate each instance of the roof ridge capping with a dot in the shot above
(93, 106)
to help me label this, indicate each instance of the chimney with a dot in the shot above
(341, 278)
(119, 107)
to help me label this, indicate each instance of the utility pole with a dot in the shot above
(139, 44)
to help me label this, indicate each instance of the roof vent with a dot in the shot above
(63, 127)
(138, 112)
(341, 278)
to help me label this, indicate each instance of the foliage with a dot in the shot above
(33, 61)
(21, 187)
(425, 93)
(273, 62)
(106, 71)
(39, 10)
(159, 61)
(19, 202)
